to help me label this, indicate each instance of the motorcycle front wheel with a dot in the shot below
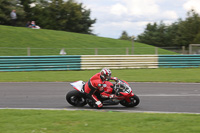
(76, 98)
(134, 101)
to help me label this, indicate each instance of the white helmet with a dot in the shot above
(105, 74)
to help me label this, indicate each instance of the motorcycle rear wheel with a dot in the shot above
(134, 101)
(76, 98)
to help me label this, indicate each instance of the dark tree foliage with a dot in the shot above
(49, 14)
(188, 29)
(6, 6)
(150, 34)
(27, 8)
(197, 39)
(180, 33)
(125, 36)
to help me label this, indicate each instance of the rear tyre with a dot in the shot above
(76, 98)
(134, 101)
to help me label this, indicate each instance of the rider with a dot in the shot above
(97, 84)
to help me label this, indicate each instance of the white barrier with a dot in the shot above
(118, 61)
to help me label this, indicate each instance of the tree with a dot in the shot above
(26, 7)
(171, 33)
(64, 15)
(180, 33)
(125, 36)
(188, 29)
(197, 39)
(159, 34)
(78, 18)
(6, 6)
(150, 34)
(49, 14)
(86, 22)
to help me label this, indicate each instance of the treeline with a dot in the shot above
(48, 14)
(180, 33)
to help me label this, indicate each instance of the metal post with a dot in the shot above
(96, 51)
(28, 51)
(126, 51)
(183, 49)
(132, 50)
(156, 50)
(190, 49)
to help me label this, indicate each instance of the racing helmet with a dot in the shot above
(105, 74)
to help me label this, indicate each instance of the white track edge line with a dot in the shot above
(106, 110)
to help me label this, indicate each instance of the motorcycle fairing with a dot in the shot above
(78, 85)
(128, 97)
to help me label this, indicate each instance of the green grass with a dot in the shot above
(15, 40)
(135, 75)
(42, 121)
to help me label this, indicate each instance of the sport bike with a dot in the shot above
(121, 89)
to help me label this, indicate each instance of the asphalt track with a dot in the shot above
(155, 97)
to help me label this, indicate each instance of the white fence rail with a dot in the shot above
(119, 61)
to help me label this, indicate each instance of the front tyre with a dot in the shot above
(76, 98)
(134, 101)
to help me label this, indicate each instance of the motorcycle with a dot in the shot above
(121, 89)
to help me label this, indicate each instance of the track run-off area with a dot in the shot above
(154, 97)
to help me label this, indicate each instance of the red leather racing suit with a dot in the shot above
(96, 84)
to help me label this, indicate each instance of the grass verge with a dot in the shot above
(131, 75)
(15, 40)
(43, 121)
